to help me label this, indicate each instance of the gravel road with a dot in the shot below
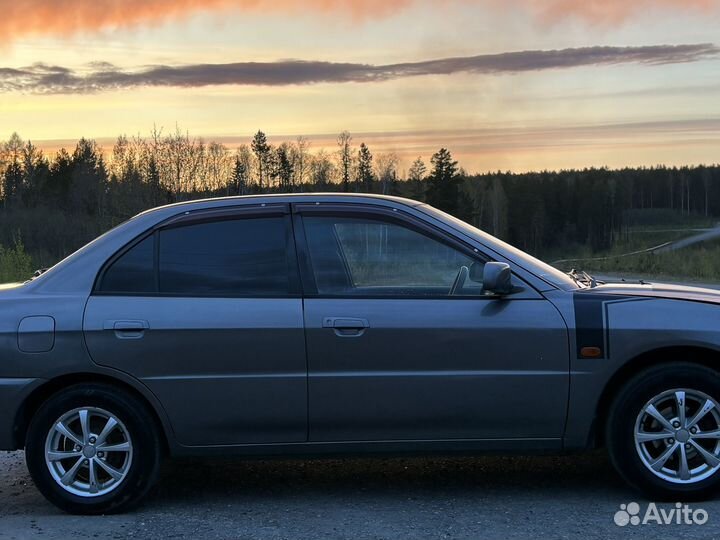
(487, 497)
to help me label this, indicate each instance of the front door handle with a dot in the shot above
(127, 329)
(346, 326)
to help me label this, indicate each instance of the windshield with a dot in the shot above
(541, 269)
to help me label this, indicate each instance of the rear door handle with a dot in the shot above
(346, 326)
(127, 329)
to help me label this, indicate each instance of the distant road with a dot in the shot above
(701, 229)
(703, 236)
(708, 234)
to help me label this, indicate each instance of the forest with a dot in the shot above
(52, 205)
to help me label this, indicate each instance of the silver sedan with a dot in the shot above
(342, 324)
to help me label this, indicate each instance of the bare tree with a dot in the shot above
(178, 161)
(386, 170)
(706, 187)
(499, 208)
(322, 169)
(121, 159)
(242, 173)
(219, 165)
(300, 159)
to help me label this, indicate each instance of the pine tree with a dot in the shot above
(284, 166)
(239, 177)
(417, 171)
(344, 141)
(365, 176)
(261, 148)
(444, 182)
(416, 176)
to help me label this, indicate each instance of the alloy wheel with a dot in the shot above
(677, 436)
(88, 452)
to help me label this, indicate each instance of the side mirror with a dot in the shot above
(497, 278)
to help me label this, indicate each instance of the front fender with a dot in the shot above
(628, 329)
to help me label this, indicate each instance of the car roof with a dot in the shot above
(218, 202)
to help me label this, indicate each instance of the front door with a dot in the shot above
(403, 345)
(206, 312)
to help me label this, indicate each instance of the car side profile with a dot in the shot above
(331, 324)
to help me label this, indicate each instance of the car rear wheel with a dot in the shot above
(93, 449)
(663, 432)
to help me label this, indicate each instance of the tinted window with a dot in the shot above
(242, 257)
(133, 272)
(366, 256)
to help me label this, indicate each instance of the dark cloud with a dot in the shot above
(101, 76)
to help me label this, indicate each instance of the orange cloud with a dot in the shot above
(607, 11)
(20, 18)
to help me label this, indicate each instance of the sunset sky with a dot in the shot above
(505, 84)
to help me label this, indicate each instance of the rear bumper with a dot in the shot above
(12, 394)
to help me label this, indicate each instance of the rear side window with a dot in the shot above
(235, 257)
(133, 272)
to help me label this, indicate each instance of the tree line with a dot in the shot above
(52, 205)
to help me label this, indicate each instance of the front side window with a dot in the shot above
(364, 256)
(233, 257)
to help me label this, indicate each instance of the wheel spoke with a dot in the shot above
(92, 478)
(109, 426)
(706, 408)
(715, 434)
(662, 459)
(62, 428)
(112, 471)
(649, 436)
(57, 456)
(85, 424)
(680, 404)
(710, 458)
(664, 422)
(120, 447)
(683, 469)
(70, 475)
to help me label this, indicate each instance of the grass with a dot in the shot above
(15, 263)
(696, 263)
(699, 262)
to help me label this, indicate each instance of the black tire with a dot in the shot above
(623, 414)
(143, 468)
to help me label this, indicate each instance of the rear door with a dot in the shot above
(206, 311)
(395, 355)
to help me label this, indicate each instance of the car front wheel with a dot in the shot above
(93, 449)
(663, 432)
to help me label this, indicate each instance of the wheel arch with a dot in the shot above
(40, 394)
(696, 354)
